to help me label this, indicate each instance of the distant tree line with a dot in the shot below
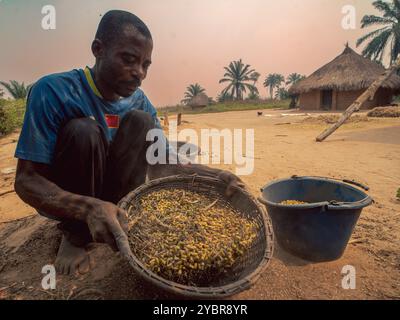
(241, 83)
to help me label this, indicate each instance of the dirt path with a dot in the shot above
(365, 151)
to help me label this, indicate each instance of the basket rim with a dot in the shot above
(203, 292)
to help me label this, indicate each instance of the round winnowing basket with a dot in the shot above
(245, 270)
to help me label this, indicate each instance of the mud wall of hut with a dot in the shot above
(341, 100)
(310, 100)
(346, 98)
(383, 97)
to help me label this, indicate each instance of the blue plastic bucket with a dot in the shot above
(319, 230)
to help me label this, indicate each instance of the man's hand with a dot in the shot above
(232, 181)
(109, 224)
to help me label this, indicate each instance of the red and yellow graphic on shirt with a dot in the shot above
(112, 120)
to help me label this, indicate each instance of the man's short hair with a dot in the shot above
(112, 25)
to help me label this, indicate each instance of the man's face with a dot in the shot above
(123, 64)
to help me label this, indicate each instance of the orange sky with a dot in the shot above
(193, 40)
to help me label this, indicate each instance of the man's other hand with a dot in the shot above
(232, 182)
(109, 224)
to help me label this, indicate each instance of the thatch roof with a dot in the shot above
(201, 100)
(349, 71)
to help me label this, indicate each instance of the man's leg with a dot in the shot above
(79, 167)
(127, 164)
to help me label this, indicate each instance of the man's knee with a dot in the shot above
(82, 133)
(81, 127)
(138, 119)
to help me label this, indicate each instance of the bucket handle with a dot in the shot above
(332, 205)
(353, 182)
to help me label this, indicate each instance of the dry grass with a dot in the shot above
(333, 118)
(385, 112)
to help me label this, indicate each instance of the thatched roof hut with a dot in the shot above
(336, 85)
(201, 100)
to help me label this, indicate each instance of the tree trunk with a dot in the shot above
(367, 95)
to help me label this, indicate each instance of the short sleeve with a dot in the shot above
(41, 123)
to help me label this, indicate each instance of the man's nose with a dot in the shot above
(138, 72)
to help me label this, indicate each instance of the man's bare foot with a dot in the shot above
(71, 259)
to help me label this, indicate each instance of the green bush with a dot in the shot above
(398, 193)
(11, 115)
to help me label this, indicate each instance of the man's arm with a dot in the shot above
(232, 181)
(163, 170)
(105, 220)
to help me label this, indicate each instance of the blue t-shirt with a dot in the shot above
(57, 98)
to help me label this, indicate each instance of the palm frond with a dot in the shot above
(374, 50)
(370, 35)
(224, 80)
(373, 20)
(396, 4)
(17, 90)
(384, 41)
(395, 52)
(384, 7)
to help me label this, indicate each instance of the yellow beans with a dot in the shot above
(188, 237)
(292, 202)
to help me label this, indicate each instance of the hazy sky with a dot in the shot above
(193, 40)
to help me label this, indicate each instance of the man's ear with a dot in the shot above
(98, 48)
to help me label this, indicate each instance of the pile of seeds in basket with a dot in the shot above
(188, 237)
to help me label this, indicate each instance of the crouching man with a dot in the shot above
(83, 142)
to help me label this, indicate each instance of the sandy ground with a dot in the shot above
(367, 151)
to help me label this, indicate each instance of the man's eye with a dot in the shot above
(129, 60)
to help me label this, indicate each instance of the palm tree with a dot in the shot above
(282, 94)
(224, 96)
(238, 75)
(293, 78)
(192, 91)
(273, 80)
(253, 96)
(17, 90)
(385, 37)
